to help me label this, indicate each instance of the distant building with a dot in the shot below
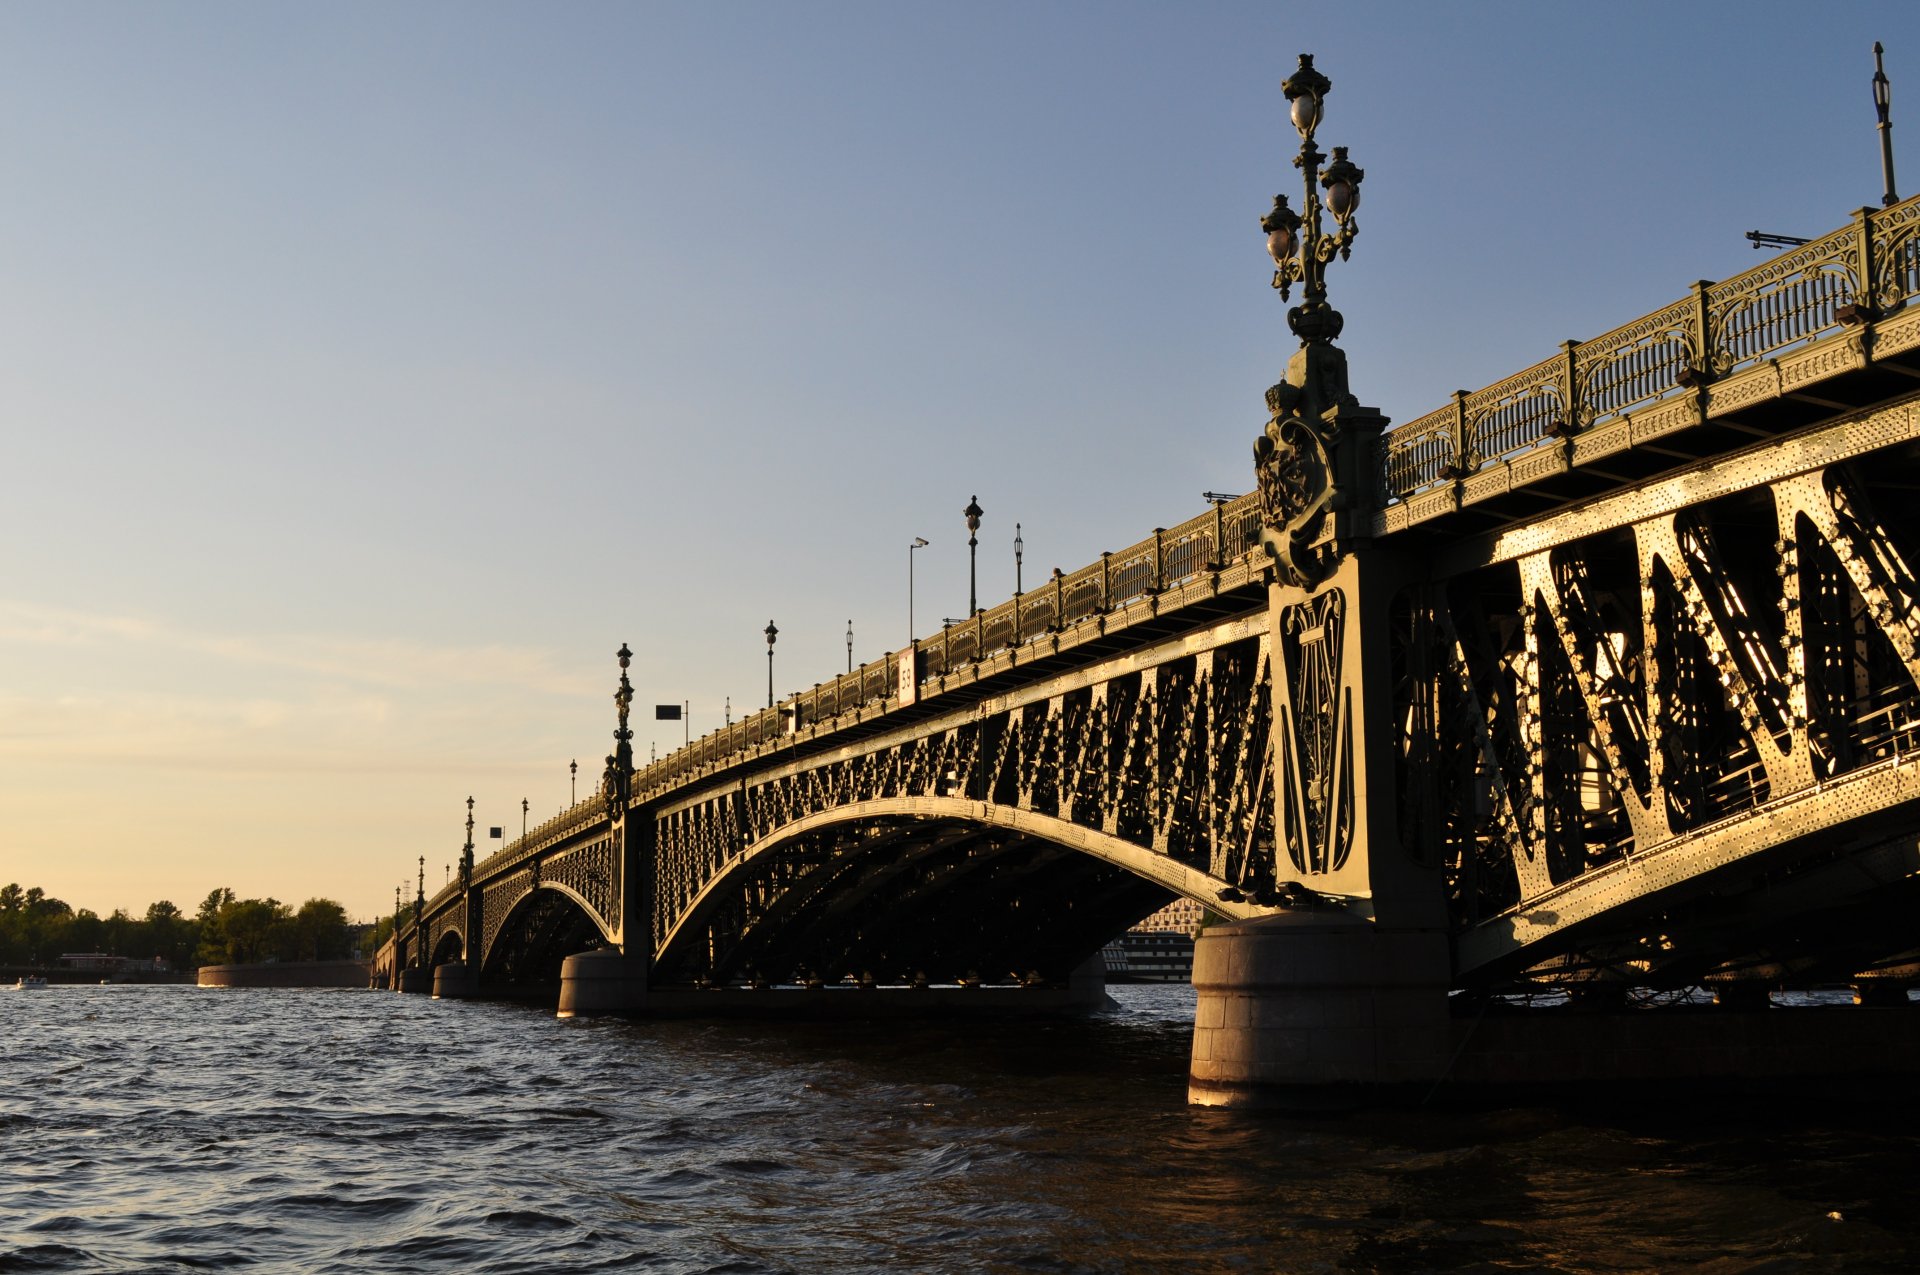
(105, 963)
(1182, 916)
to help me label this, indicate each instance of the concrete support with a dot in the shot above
(456, 980)
(606, 981)
(1087, 985)
(1312, 999)
(415, 979)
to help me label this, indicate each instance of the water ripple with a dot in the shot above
(174, 1129)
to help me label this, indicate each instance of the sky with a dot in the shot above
(370, 372)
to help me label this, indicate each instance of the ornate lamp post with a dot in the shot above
(973, 512)
(525, 805)
(573, 782)
(919, 542)
(772, 633)
(1019, 548)
(419, 914)
(1300, 250)
(1299, 458)
(849, 646)
(466, 852)
(616, 784)
(1882, 102)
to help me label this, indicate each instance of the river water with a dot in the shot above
(179, 1128)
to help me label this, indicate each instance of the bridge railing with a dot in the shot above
(1166, 559)
(1869, 268)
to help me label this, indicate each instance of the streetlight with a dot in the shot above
(973, 512)
(525, 805)
(1299, 249)
(1882, 100)
(919, 542)
(1019, 548)
(573, 782)
(772, 633)
(849, 646)
(1295, 498)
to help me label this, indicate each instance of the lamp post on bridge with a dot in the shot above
(573, 782)
(419, 915)
(772, 633)
(1882, 101)
(525, 805)
(1019, 551)
(1303, 460)
(919, 543)
(849, 646)
(973, 512)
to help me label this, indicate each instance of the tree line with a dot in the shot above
(36, 929)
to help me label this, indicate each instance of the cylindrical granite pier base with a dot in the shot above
(1315, 999)
(454, 981)
(602, 982)
(415, 979)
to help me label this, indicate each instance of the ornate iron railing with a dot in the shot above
(1866, 270)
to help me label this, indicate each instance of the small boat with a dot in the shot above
(30, 981)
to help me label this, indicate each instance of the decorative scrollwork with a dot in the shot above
(1315, 777)
(1295, 471)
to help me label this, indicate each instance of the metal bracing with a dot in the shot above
(1151, 765)
(1639, 664)
(1657, 701)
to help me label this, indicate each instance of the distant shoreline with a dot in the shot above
(11, 974)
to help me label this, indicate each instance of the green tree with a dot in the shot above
(320, 929)
(171, 934)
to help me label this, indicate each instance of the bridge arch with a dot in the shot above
(535, 932)
(830, 863)
(450, 946)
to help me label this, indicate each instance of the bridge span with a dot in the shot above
(1603, 677)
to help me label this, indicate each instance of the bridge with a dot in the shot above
(1603, 677)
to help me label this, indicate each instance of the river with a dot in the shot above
(179, 1128)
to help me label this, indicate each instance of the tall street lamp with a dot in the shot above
(772, 633)
(1882, 100)
(973, 512)
(1299, 249)
(573, 782)
(1298, 459)
(919, 542)
(525, 805)
(849, 646)
(1019, 548)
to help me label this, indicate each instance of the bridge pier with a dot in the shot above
(1312, 999)
(606, 981)
(414, 979)
(455, 980)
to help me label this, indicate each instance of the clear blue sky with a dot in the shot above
(370, 372)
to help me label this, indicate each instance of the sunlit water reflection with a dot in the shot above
(172, 1129)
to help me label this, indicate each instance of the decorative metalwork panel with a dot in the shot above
(1314, 764)
(1170, 759)
(1657, 689)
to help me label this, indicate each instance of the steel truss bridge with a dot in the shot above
(1610, 670)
